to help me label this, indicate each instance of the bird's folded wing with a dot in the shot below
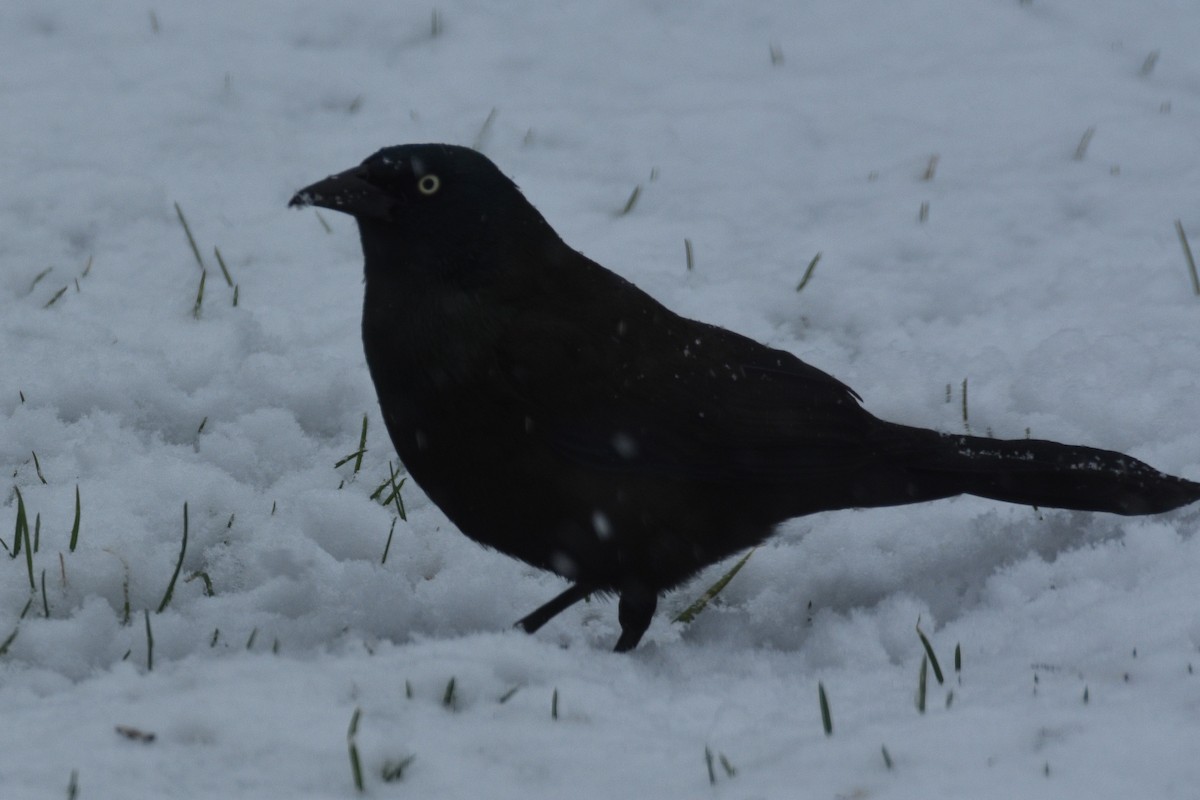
(676, 398)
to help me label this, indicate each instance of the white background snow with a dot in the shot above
(1055, 286)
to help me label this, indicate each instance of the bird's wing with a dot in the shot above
(624, 384)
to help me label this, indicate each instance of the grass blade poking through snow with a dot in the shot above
(930, 168)
(22, 538)
(826, 716)
(1187, 253)
(12, 637)
(37, 466)
(1085, 140)
(362, 446)
(149, 643)
(937, 669)
(199, 295)
(922, 679)
(21, 523)
(808, 273)
(352, 743)
(692, 611)
(632, 201)
(205, 578)
(224, 269)
(394, 495)
(38, 278)
(393, 771)
(54, 299)
(75, 525)
(388, 546)
(357, 455)
(8, 640)
(178, 564)
(710, 761)
(191, 239)
(1148, 65)
(484, 130)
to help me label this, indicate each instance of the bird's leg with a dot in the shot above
(544, 613)
(635, 611)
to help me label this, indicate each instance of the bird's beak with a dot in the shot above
(349, 192)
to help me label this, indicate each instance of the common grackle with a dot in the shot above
(559, 414)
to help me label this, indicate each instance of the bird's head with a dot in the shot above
(429, 203)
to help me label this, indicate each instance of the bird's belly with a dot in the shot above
(502, 488)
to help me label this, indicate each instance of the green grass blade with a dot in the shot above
(37, 466)
(178, 564)
(224, 269)
(1187, 253)
(362, 446)
(23, 534)
(632, 201)
(826, 716)
(393, 771)
(12, 637)
(351, 740)
(484, 130)
(200, 295)
(22, 524)
(808, 273)
(937, 669)
(922, 680)
(388, 546)
(692, 611)
(191, 239)
(54, 299)
(149, 643)
(75, 525)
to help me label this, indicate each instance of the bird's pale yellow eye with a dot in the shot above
(428, 184)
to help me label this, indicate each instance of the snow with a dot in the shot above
(1055, 286)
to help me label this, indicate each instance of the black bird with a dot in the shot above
(559, 414)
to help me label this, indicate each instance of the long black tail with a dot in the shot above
(1043, 473)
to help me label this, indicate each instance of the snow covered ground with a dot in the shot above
(1046, 273)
